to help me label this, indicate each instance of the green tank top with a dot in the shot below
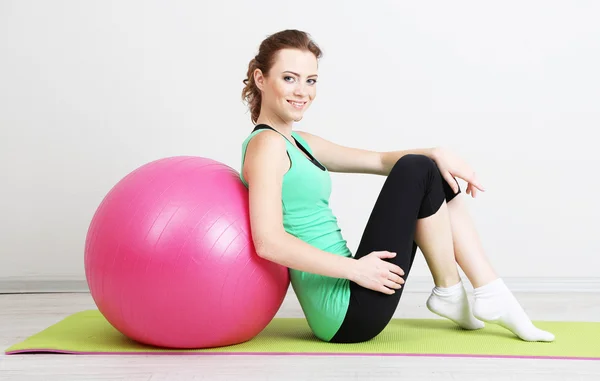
(307, 215)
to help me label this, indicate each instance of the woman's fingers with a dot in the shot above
(392, 280)
(395, 278)
(475, 182)
(392, 285)
(451, 181)
(472, 181)
(471, 190)
(387, 290)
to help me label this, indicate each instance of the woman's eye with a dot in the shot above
(290, 79)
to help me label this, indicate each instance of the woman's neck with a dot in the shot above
(282, 127)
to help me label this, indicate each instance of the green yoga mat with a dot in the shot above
(88, 332)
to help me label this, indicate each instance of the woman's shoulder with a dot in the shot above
(264, 151)
(264, 140)
(264, 144)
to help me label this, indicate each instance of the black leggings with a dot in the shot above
(414, 189)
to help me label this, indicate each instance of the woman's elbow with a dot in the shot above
(265, 247)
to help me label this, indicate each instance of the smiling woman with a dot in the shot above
(290, 57)
(351, 298)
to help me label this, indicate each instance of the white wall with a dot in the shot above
(91, 90)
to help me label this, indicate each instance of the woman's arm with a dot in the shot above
(265, 164)
(338, 158)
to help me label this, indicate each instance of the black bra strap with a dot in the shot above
(315, 161)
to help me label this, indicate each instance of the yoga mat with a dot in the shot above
(88, 332)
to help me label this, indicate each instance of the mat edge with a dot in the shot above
(364, 354)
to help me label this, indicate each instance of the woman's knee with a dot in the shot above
(414, 165)
(424, 167)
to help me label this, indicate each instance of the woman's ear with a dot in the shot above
(259, 79)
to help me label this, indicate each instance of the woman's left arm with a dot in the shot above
(338, 158)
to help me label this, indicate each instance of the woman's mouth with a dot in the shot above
(297, 105)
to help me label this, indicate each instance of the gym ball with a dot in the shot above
(170, 261)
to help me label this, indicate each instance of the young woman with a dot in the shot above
(351, 298)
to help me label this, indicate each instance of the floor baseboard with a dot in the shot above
(522, 284)
(30, 285)
(20, 285)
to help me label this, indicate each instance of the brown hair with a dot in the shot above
(264, 60)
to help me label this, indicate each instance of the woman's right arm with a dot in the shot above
(264, 167)
(265, 164)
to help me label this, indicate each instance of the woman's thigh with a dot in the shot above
(414, 189)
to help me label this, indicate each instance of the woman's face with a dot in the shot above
(290, 87)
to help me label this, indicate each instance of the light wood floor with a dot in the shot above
(22, 315)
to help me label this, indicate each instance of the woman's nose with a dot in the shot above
(300, 90)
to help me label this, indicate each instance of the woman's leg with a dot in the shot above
(468, 249)
(449, 298)
(434, 236)
(494, 303)
(413, 192)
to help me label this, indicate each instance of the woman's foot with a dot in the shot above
(452, 303)
(494, 303)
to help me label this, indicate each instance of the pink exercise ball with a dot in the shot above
(170, 262)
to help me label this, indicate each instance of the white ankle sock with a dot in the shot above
(452, 303)
(494, 303)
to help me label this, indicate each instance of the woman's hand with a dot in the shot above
(452, 166)
(373, 272)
